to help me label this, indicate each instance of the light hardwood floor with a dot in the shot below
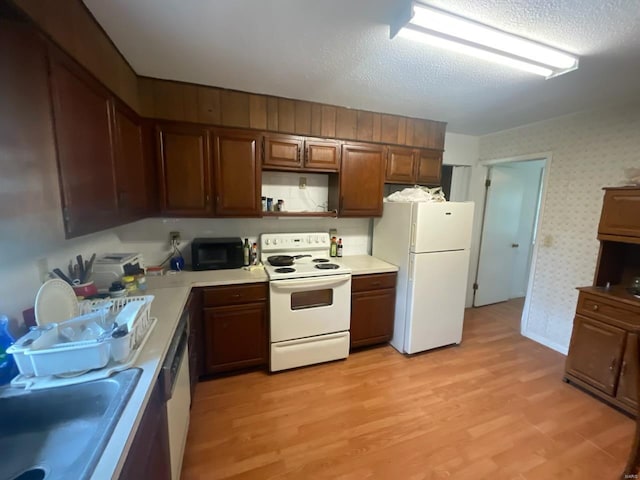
(494, 407)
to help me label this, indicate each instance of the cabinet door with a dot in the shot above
(621, 213)
(361, 180)
(148, 455)
(372, 315)
(238, 175)
(628, 384)
(283, 151)
(235, 337)
(401, 165)
(429, 168)
(595, 353)
(83, 129)
(132, 179)
(322, 154)
(184, 170)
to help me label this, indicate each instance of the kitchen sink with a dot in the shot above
(60, 433)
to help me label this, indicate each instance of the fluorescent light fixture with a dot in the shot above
(443, 29)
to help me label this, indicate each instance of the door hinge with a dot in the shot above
(487, 183)
(475, 286)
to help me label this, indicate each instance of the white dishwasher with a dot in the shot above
(175, 371)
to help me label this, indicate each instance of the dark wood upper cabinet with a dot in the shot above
(401, 165)
(83, 125)
(295, 153)
(283, 151)
(132, 176)
(621, 213)
(429, 167)
(184, 162)
(238, 175)
(321, 154)
(361, 180)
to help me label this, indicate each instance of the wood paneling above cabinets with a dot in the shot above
(178, 101)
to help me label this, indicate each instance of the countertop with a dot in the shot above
(171, 293)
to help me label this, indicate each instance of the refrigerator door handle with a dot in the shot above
(410, 279)
(413, 234)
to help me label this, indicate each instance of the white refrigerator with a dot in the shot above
(430, 243)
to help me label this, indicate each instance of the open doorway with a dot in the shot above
(509, 231)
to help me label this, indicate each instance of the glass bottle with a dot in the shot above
(333, 250)
(246, 251)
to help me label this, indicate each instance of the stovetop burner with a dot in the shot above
(327, 266)
(320, 260)
(285, 270)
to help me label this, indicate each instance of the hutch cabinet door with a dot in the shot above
(621, 212)
(627, 387)
(595, 353)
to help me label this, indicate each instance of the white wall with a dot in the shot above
(590, 150)
(151, 236)
(460, 149)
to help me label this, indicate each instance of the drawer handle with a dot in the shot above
(236, 295)
(595, 307)
(612, 366)
(375, 284)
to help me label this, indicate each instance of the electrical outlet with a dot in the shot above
(174, 238)
(42, 264)
(333, 232)
(302, 183)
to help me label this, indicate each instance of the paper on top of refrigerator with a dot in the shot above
(417, 194)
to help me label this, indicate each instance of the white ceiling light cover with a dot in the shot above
(443, 29)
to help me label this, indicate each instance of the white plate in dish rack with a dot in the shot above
(56, 302)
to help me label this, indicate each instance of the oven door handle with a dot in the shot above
(302, 284)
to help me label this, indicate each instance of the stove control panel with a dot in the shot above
(294, 241)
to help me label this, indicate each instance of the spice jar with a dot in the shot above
(129, 282)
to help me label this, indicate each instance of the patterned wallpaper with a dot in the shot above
(590, 150)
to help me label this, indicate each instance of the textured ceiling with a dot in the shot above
(339, 52)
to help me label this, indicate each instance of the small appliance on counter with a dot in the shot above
(216, 253)
(111, 267)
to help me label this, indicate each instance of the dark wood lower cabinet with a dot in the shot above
(628, 385)
(149, 455)
(373, 300)
(235, 337)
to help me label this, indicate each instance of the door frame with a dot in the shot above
(486, 164)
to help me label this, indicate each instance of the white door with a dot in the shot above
(499, 237)
(437, 227)
(437, 290)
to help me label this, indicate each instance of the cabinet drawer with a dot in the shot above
(235, 294)
(363, 283)
(607, 310)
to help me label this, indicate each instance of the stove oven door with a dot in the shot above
(305, 307)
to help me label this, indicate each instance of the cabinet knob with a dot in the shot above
(236, 295)
(595, 307)
(612, 366)
(623, 368)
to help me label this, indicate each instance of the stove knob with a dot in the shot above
(267, 241)
(275, 241)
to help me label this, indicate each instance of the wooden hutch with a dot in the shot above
(603, 354)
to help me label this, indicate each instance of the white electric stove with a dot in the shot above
(310, 301)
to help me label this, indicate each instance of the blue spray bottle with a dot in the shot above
(8, 368)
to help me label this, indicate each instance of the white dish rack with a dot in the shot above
(48, 352)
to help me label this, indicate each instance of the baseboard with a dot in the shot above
(546, 342)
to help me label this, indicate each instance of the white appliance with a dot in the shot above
(430, 243)
(177, 391)
(110, 267)
(310, 301)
